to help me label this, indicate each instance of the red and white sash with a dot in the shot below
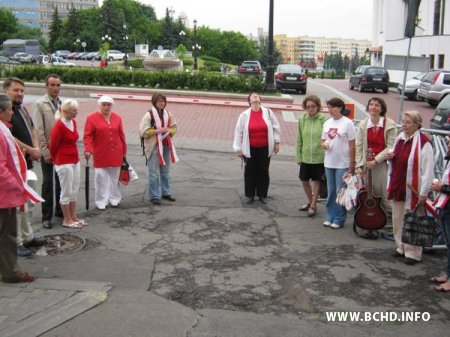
(159, 137)
(20, 164)
(442, 198)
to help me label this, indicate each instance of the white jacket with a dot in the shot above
(241, 136)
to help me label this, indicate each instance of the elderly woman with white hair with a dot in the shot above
(64, 153)
(412, 154)
(104, 139)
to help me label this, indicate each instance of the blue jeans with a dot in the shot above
(445, 219)
(158, 176)
(335, 213)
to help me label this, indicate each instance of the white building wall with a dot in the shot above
(388, 33)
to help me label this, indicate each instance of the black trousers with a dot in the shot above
(8, 243)
(256, 173)
(47, 191)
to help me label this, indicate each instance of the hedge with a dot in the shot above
(175, 80)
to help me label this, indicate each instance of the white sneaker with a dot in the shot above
(327, 224)
(101, 208)
(335, 226)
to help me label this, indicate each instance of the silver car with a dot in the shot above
(434, 86)
(412, 87)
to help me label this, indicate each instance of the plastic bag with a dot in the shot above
(349, 191)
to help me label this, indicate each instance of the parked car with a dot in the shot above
(290, 76)
(368, 77)
(115, 55)
(59, 61)
(412, 87)
(62, 53)
(23, 58)
(441, 118)
(250, 68)
(434, 86)
(5, 60)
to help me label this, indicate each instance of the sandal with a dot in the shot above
(439, 279)
(441, 289)
(75, 224)
(311, 211)
(82, 222)
(305, 207)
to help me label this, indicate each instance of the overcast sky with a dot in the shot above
(329, 18)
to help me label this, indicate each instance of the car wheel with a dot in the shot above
(360, 87)
(385, 90)
(415, 95)
(304, 91)
(350, 85)
(433, 103)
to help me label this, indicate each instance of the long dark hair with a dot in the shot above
(157, 97)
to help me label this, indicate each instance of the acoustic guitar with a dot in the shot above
(369, 214)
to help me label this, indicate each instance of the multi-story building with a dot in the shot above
(431, 39)
(296, 49)
(38, 13)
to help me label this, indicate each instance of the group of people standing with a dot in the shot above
(401, 165)
(49, 134)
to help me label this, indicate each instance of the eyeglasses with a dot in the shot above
(311, 106)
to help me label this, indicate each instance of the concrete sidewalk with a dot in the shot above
(209, 265)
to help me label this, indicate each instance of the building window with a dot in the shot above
(437, 17)
(431, 61)
(441, 61)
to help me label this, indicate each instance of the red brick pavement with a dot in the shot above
(199, 121)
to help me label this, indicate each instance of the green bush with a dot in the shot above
(210, 59)
(202, 80)
(188, 62)
(136, 63)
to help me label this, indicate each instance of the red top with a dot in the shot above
(397, 183)
(375, 139)
(106, 141)
(257, 130)
(63, 144)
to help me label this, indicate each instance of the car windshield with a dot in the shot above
(290, 68)
(376, 71)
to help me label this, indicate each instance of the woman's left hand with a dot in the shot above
(421, 200)
(276, 148)
(371, 164)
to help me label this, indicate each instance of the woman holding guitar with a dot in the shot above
(411, 164)
(376, 134)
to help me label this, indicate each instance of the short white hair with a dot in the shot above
(69, 104)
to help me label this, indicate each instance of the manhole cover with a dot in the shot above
(60, 244)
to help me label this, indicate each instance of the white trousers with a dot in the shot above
(69, 178)
(24, 229)
(107, 189)
(398, 213)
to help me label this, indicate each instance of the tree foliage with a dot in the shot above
(55, 31)
(8, 24)
(264, 54)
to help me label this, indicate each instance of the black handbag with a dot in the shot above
(418, 230)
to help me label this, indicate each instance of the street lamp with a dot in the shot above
(106, 38)
(196, 46)
(270, 85)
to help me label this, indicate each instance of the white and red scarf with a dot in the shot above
(159, 137)
(20, 164)
(414, 168)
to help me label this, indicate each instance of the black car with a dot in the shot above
(250, 68)
(5, 60)
(368, 77)
(290, 76)
(441, 118)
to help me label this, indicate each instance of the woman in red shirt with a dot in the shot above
(104, 138)
(64, 153)
(256, 138)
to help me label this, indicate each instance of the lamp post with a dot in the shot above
(196, 46)
(270, 85)
(83, 44)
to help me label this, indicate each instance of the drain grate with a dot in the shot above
(59, 244)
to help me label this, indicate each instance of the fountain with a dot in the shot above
(162, 59)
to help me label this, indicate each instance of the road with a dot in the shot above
(322, 89)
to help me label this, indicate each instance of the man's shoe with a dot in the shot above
(156, 201)
(36, 242)
(262, 200)
(168, 197)
(25, 277)
(409, 261)
(249, 201)
(47, 224)
(22, 251)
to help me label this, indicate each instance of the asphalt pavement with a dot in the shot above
(210, 265)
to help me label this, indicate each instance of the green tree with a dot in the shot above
(55, 30)
(169, 34)
(8, 24)
(264, 54)
(113, 21)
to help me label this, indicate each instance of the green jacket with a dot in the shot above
(308, 138)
